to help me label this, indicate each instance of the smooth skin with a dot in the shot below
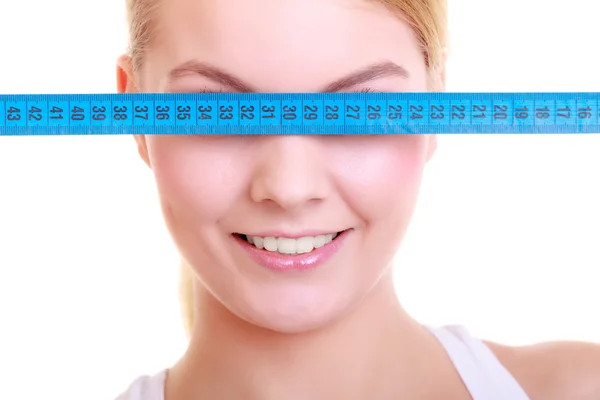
(337, 332)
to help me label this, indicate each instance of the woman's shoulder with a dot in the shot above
(554, 370)
(146, 387)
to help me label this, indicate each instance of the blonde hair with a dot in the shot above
(428, 19)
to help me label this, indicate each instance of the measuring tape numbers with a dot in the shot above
(299, 113)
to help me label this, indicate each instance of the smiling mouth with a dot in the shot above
(289, 246)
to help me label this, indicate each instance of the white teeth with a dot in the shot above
(258, 242)
(291, 246)
(305, 244)
(319, 241)
(270, 243)
(286, 246)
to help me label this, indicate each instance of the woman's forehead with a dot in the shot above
(287, 43)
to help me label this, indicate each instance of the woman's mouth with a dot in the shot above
(283, 253)
(290, 246)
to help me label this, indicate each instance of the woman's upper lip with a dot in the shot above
(293, 235)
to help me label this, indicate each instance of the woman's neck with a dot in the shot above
(376, 351)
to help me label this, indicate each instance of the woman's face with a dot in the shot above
(300, 189)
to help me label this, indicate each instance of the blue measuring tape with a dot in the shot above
(299, 113)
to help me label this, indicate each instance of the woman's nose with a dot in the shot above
(291, 172)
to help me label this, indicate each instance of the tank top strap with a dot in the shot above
(480, 370)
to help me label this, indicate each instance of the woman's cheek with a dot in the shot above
(197, 183)
(382, 176)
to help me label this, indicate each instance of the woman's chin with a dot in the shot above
(291, 325)
(291, 314)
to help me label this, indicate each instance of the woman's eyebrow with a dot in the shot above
(364, 75)
(367, 74)
(214, 74)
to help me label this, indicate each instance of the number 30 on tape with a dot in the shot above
(299, 113)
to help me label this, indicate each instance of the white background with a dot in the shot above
(506, 239)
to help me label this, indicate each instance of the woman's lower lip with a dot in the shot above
(301, 262)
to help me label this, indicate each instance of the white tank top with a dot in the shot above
(483, 375)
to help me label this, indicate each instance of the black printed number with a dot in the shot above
(289, 113)
(141, 112)
(437, 112)
(564, 112)
(500, 112)
(395, 112)
(77, 114)
(98, 113)
(268, 112)
(183, 113)
(522, 113)
(247, 112)
(585, 112)
(203, 112)
(119, 113)
(479, 112)
(458, 112)
(56, 113)
(162, 113)
(353, 112)
(310, 112)
(332, 112)
(373, 112)
(416, 112)
(542, 113)
(35, 114)
(14, 114)
(226, 112)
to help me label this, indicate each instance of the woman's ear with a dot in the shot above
(142, 147)
(126, 84)
(442, 71)
(439, 74)
(125, 77)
